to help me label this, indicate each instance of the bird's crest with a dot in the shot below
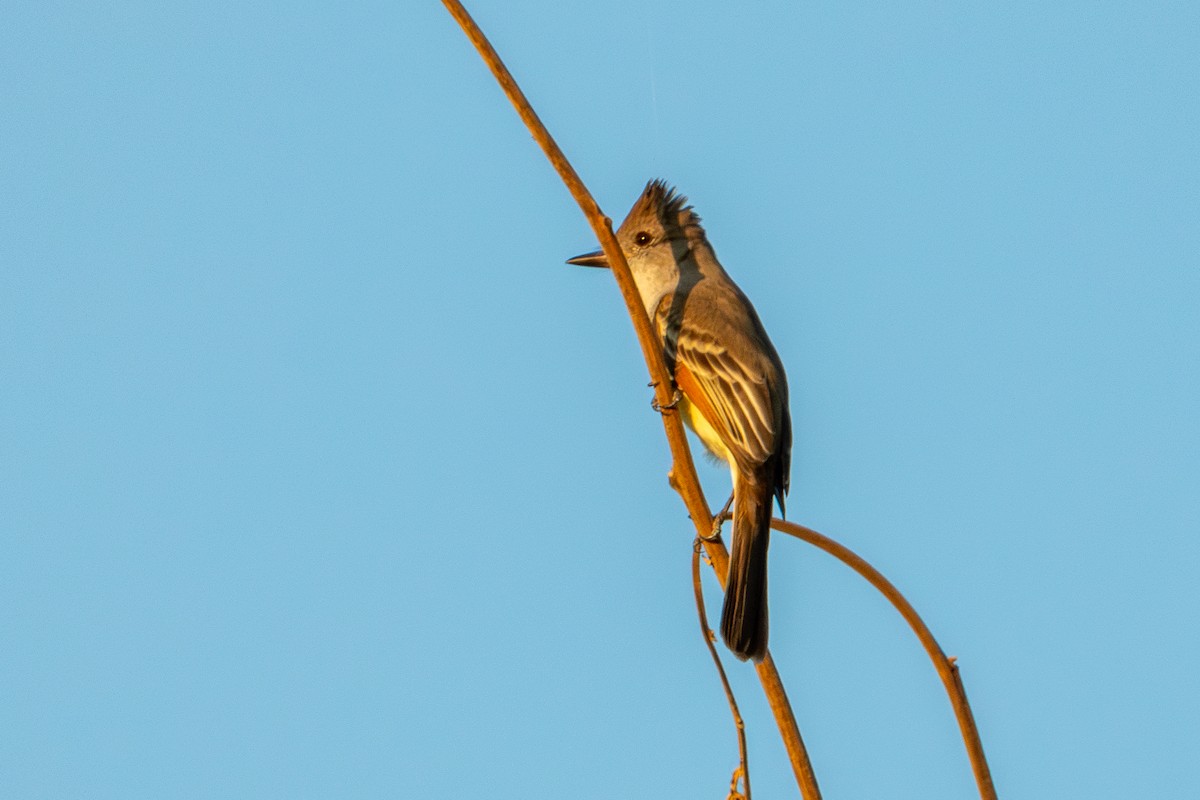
(665, 206)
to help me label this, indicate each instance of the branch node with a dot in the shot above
(738, 775)
(673, 479)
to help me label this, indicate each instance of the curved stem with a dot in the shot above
(706, 632)
(946, 668)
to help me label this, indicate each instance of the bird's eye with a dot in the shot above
(642, 238)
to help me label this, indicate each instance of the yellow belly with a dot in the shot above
(707, 433)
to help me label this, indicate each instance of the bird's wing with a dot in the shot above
(729, 381)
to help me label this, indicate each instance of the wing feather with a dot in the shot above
(731, 382)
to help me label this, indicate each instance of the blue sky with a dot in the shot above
(321, 475)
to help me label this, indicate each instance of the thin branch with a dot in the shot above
(946, 668)
(744, 766)
(683, 472)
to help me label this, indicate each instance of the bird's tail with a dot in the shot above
(744, 615)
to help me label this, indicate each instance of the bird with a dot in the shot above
(730, 382)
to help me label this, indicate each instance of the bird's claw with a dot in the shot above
(662, 409)
(717, 521)
(715, 534)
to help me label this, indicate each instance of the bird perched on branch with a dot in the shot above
(732, 391)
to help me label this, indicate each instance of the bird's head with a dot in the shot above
(656, 235)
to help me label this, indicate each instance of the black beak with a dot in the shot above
(596, 259)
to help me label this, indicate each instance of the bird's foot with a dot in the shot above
(717, 521)
(662, 409)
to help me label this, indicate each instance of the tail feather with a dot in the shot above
(744, 615)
